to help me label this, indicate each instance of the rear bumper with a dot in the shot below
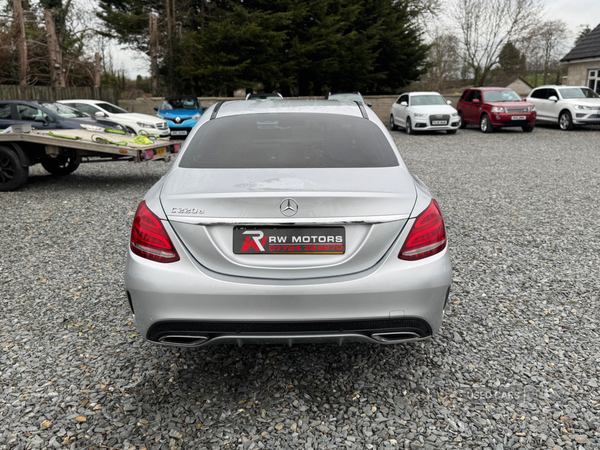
(186, 299)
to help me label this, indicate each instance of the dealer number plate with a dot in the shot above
(289, 240)
(439, 122)
(178, 133)
(518, 118)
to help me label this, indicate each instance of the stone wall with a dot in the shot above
(578, 72)
(381, 104)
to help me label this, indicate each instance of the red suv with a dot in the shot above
(495, 107)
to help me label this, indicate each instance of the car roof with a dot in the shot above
(239, 107)
(422, 93)
(556, 86)
(79, 100)
(490, 89)
(27, 101)
(181, 97)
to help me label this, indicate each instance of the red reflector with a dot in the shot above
(149, 239)
(427, 236)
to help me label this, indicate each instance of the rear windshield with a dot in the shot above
(291, 140)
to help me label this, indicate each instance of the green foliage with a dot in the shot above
(297, 47)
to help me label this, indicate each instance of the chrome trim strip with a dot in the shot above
(291, 221)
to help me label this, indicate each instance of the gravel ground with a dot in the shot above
(514, 366)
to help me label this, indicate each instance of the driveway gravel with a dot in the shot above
(516, 364)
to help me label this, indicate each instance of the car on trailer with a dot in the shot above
(133, 122)
(46, 115)
(61, 152)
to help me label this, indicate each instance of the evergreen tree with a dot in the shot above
(299, 47)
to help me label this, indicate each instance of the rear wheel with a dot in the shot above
(393, 125)
(12, 173)
(462, 124)
(484, 124)
(527, 129)
(565, 121)
(61, 165)
(408, 127)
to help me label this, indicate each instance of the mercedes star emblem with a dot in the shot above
(288, 207)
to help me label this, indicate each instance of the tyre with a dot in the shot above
(61, 165)
(461, 123)
(527, 129)
(12, 173)
(565, 121)
(393, 125)
(451, 131)
(408, 127)
(484, 124)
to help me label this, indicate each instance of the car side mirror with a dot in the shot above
(448, 102)
(553, 98)
(370, 105)
(403, 104)
(476, 101)
(100, 115)
(155, 109)
(41, 119)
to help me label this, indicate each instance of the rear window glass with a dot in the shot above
(291, 140)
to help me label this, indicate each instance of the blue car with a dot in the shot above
(181, 114)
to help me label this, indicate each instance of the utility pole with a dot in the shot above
(21, 42)
(154, 52)
(56, 69)
(97, 69)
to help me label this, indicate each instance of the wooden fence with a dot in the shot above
(14, 92)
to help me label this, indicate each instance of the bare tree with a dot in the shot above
(444, 61)
(487, 25)
(553, 37)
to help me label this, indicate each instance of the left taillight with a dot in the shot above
(149, 239)
(427, 236)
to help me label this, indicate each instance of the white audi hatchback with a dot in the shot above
(424, 111)
(288, 221)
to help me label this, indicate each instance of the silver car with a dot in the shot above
(288, 221)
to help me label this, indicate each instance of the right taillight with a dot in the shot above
(427, 236)
(149, 239)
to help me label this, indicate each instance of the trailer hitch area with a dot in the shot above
(53, 151)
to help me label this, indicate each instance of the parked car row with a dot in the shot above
(492, 108)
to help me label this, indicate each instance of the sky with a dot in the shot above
(574, 12)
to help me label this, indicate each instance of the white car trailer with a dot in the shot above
(63, 152)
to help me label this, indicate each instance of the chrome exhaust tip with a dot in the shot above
(395, 336)
(179, 340)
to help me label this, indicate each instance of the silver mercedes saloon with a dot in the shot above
(288, 221)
